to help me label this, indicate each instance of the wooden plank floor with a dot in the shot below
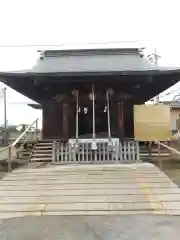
(88, 190)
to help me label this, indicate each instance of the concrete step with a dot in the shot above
(154, 151)
(22, 159)
(41, 155)
(42, 159)
(154, 154)
(43, 147)
(42, 151)
(25, 156)
(44, 144)
(46, 140)
(25, 153)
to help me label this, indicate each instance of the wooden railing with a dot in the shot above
(120, 152)
(11, 150)
(173, 150)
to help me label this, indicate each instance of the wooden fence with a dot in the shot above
(120, 152)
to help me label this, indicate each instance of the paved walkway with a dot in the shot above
(126, 227)
(88, 190)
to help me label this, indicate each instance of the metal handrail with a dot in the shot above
(167, 147)
(16, 141)
(22, 134)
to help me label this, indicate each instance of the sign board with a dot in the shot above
(152, 122)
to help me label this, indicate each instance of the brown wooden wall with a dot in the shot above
(55, 120)
(59, 120)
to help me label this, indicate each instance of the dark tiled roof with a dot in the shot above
(97, 60)
(35, 106)
(92, 61)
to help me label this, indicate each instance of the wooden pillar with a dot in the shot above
(71, 119)
(121, 119)
(65, 120)
(128, 119)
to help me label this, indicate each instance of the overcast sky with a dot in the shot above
(76, 23)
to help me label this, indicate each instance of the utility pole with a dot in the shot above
(3, 97)
(156, 62)
(5, 116)
(153, 58)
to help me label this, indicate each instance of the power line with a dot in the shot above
(17, 103)
(28, 45)
(21, 103)
(66, 44)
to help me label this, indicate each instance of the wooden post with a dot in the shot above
(108, 117)
(54, 151)
(76, 94)
(65, 121)
(121, 119)
(77, 117)
(9, 159)
(93, 102)
(159, 149)
(36, 130)
(94, 145)
(150, 147)
(160, 162)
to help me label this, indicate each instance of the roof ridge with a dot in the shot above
(99, 51)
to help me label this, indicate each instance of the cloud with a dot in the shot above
(155, 23)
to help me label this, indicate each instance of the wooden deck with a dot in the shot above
(88, 190)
